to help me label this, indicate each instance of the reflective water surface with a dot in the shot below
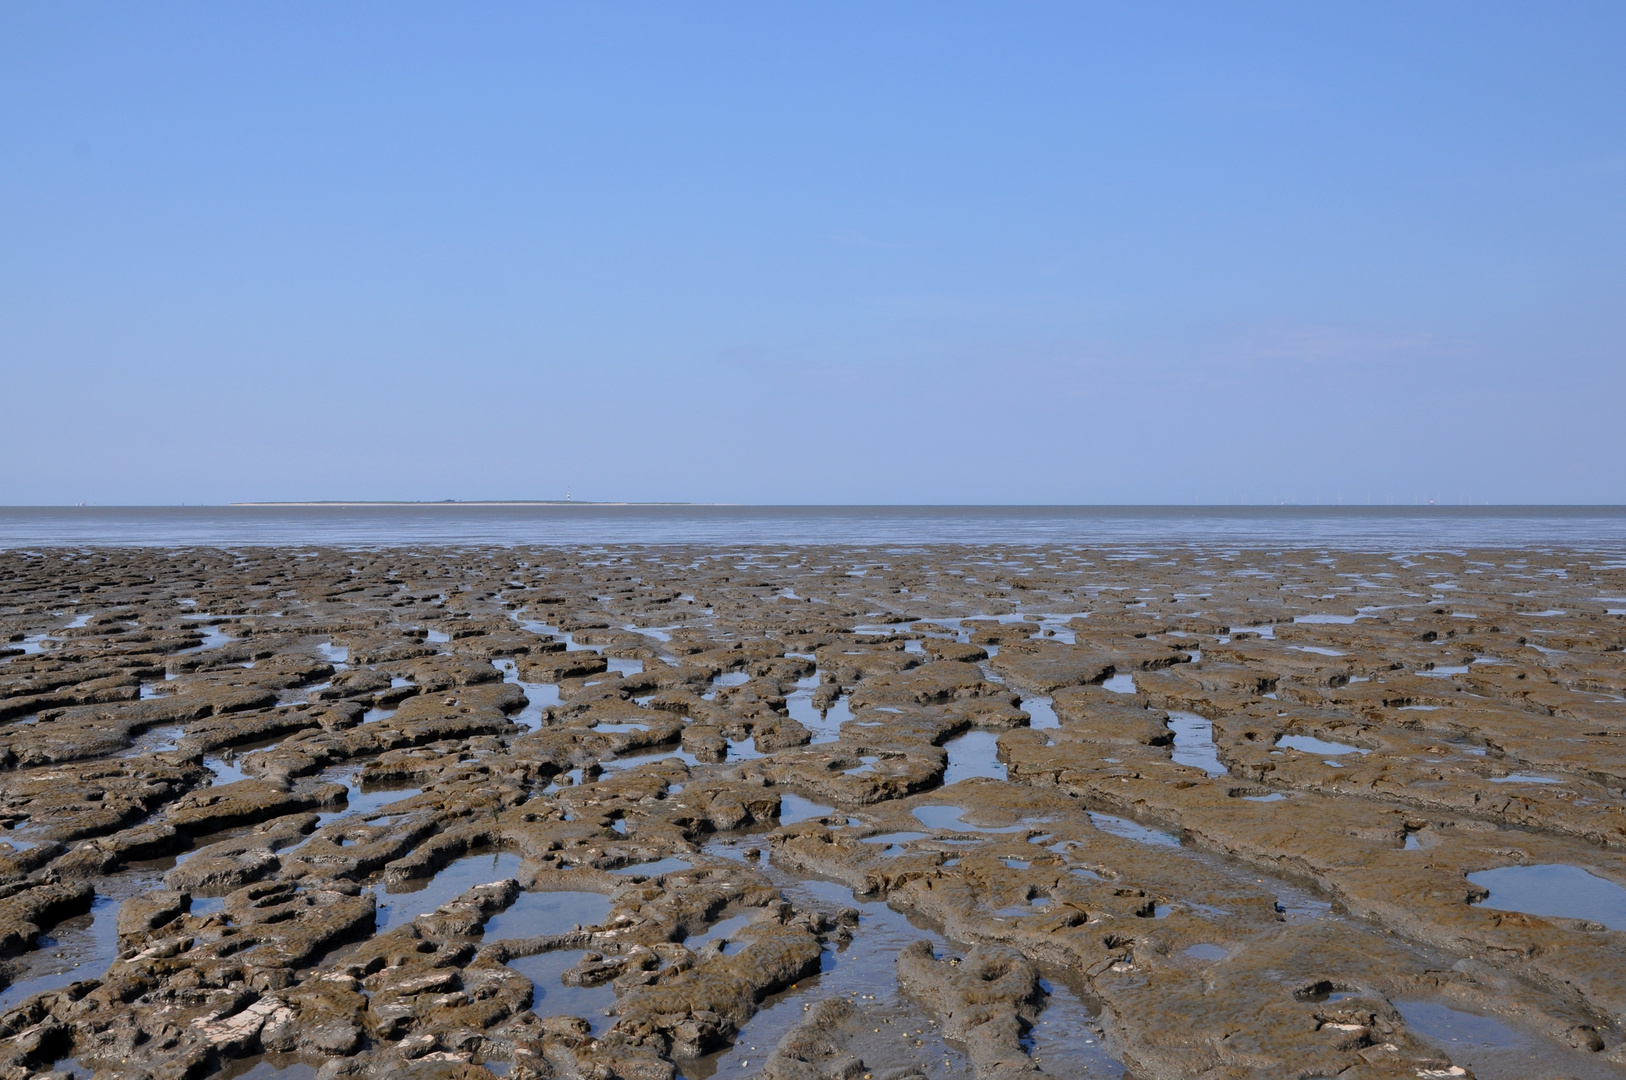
(1355, 528)
(1567, 892)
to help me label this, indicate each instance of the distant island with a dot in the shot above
(463, 502)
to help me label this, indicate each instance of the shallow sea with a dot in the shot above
(1411, 528)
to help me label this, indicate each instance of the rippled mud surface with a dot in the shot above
(960, 811)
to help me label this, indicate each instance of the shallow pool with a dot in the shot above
(1133, 830)
(1312, 745)
(538, 913)
(948, 818)
(794, 808)
(422, 898)
(1042, 713)
(976, 753)
(551, 997)
(1554, 889)
(1194, 743)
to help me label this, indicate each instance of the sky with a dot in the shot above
(813, 253)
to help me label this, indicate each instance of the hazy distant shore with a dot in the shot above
(340, 503)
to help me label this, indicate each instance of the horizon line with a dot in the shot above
(587, 503)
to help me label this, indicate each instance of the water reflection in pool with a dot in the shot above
(551, 997)
(1553, 889)
(976, 753)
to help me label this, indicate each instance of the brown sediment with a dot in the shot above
(244, 763)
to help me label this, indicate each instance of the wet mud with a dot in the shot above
(660, 812)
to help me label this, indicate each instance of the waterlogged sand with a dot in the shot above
(971, 811)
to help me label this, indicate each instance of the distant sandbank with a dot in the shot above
(468, 502)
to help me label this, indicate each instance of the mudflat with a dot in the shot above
(810, 812)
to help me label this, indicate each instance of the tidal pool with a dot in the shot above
(976, 753)
(1066, 1040)
(1194, 743)
(1312, 745)
(825, 724)
(1554, 889)
(1041, 712)
(537, 913)
(399, 906)
(1132, 830)
(794, 808)
(948, 818)
(551, 997)
(670, 865)
(892, 842)
(89, 943)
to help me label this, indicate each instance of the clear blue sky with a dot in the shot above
(813, 252)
